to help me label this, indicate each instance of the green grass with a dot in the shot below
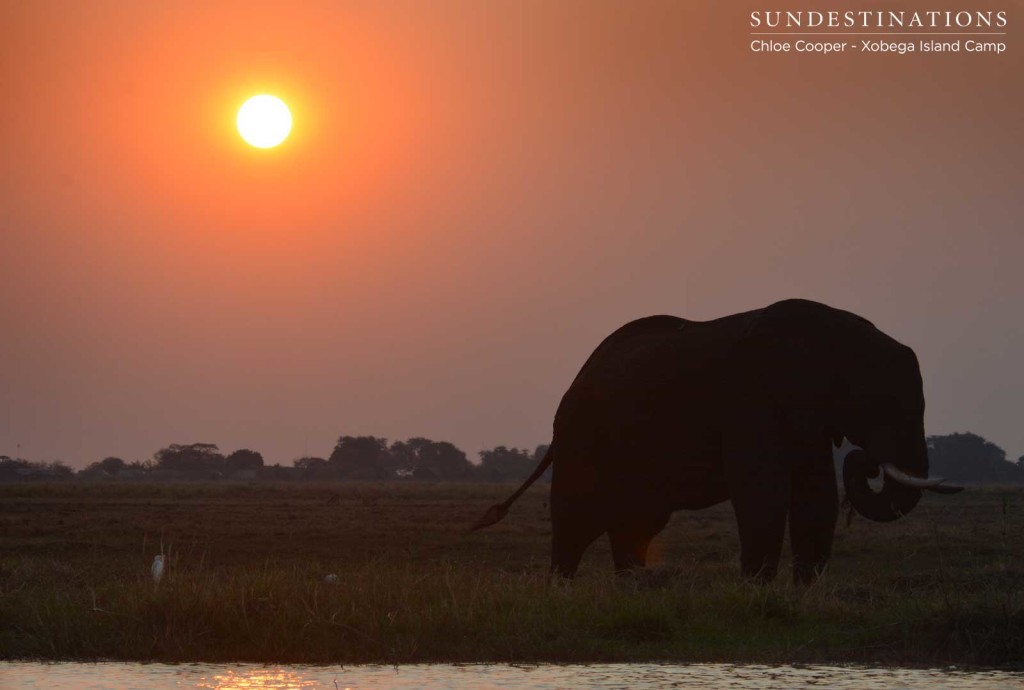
(246, 567)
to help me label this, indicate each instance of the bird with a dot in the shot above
(158, 568)
(331, 579)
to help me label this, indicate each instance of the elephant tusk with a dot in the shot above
(907, 480)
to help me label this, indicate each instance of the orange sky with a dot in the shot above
(473, 195)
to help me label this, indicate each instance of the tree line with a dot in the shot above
(960, 457)
(355, 458)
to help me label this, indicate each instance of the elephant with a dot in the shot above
(670, 414)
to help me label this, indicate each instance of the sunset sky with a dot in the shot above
(474, 194)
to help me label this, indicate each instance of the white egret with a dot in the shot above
(158, 568)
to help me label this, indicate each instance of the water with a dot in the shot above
(26, 675)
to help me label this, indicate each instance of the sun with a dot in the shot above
(264, 121)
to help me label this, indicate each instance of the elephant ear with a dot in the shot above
(788, 364)
(879, 378)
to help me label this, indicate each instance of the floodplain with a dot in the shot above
(247, 568)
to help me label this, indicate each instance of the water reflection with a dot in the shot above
(261, 678)
(28, 676)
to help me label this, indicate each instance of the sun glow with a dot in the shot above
(264, 121)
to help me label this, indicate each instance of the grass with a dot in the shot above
(246, 567)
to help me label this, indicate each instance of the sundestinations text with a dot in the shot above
(879, 19)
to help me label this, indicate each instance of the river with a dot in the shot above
(125, 676)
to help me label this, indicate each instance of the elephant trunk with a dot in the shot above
(894, 500)
(901, 455)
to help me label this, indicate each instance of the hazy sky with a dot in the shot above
(474, 194)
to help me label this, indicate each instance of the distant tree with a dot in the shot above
(12, 469)
(59, 470)
(17, 469)
(440, 460)
(194, 459)
(503, 464)
(361, 457)
(107, 467)
(405, 455)
(277, 472)
(970, 458)
(316, 468)
(243, 459)
(112, 465)
(309, 461)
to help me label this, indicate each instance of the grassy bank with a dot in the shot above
(246, 568)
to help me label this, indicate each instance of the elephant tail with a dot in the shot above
(498, 511)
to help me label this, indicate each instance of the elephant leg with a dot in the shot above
(631, 540)
(813, 508)
(758, 478)
(569, 539)
(575, 523)
(761, 502)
